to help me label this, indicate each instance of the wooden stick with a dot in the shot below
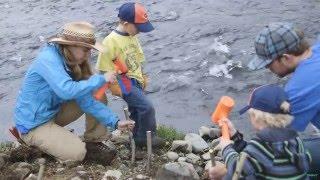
(212, 156)
(149, 148)
(42, 162)
(132, 143)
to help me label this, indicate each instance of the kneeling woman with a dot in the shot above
(58, 89)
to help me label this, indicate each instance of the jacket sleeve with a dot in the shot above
(54, 73)
(98, 110)
(230, 158)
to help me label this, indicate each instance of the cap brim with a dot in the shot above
(97, 46)
(243, 110)
(145, 27)
(257, 63)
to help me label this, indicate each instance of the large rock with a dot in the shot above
(192, 158)
(181, 146)
(25, 165)
(112, 174)
(197, 143)
(177, 171)
(172, 155)
(118, 137)
(206, 156)
(209, 133)
(182, 159)
(214, 143)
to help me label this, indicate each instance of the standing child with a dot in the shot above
(123, 44)
(276, 152)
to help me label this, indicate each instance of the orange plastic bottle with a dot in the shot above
(223, 110)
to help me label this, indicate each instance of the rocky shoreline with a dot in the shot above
(187, 158)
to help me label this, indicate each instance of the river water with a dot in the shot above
(188, 56)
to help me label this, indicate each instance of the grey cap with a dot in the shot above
(273, 41)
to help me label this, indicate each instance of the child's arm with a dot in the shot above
(231, 159)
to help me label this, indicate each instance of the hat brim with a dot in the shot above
(97, 45)
(258, 63)
(243, 110)
(145, 27)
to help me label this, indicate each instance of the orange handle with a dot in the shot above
(223, 110)
(118, 66)
(98, 95)
(225, 131)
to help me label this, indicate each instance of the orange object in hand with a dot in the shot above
(223, 110)
(120, 68)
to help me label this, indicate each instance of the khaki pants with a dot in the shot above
(53, 139)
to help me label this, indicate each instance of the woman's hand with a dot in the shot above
(110, 77)
(124, 125)
(218, 171)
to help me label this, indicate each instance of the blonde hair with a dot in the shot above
(273, 120)
(79, 71)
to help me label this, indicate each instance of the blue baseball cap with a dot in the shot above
(135, 13)
(267, 98)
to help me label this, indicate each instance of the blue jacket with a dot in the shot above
(47, 85)
(303, 92)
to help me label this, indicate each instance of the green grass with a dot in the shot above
(169, 134)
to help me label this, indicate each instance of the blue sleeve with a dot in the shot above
(230, 158)
(302, 118)
(98, 110)
(52, 70)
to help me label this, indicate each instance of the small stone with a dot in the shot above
(123, 167)
(172, 155)
(208, 165)
(76, 178)
(177, 170)
(142, 177)
(182, 159)
(99, 166)
(214, 143)
(198, 144)
(3, 160)
(215, 133)
(80, 168)
(21, 173)
(82, 173)
(69, 163)
(199, 169)
(192, 158)
(31, 177)
(206, 156)
(113, 174)
(59, 170)
(25, 165)
(181, 146)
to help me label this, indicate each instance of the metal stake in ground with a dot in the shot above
(42, 162)
(149, 149)
(212, 155)
(132, 143)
